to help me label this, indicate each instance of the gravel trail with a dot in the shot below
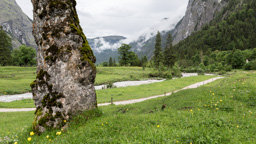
(196, 85)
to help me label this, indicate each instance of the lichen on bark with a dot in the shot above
(66, 72)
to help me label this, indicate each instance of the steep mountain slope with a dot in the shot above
(198, 13)
(105, 47)
(144, 45)
(233, 28)
(16, 24)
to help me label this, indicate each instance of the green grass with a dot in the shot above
(16, 80)
(115, 74)
(126, 93)
(135, 92)
(13, 124)
(190, 116)
(26, 103)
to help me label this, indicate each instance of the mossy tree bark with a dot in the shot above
(65, 73)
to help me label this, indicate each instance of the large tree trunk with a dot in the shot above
(65, 73)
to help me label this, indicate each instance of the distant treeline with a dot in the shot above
(126, 58)
(24, 56)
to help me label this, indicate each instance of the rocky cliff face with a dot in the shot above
(199, 13)
(16, 24)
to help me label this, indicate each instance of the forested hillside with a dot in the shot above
(233, 28)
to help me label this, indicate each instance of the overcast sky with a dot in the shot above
(121, 17)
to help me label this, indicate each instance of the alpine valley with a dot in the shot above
(199, 15)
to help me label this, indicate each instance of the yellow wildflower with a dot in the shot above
(64, 121)
(191, 110)
(237, 126)
(220, 100)
(158, 126)
(217, 108)
(50, 140)
(58, 133)
(177, 141)
(15, 143)
(102, 124)
(213, 94)
(29, 139)
(32, 133)
(47, 136)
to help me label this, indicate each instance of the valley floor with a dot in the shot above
(219, 112)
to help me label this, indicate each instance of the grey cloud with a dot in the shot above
(127, 18)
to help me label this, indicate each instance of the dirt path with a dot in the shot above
(196, 85)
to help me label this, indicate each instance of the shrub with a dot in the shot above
(251, 65)
(212, 67)
(219, 66)
(202, 66)
(228, 68)
(176, 71)
(110, 85)
(162, 74)
(190, 70)
(222, 72)
(200, 71)
(105, 64)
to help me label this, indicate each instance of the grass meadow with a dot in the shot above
(16, 80)
(221, 112)
(125, 93)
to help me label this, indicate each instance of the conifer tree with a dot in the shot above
(124, 54)
(169, 53)
(158, 55)
(114, 63)
(5, 48)
(110, 62)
